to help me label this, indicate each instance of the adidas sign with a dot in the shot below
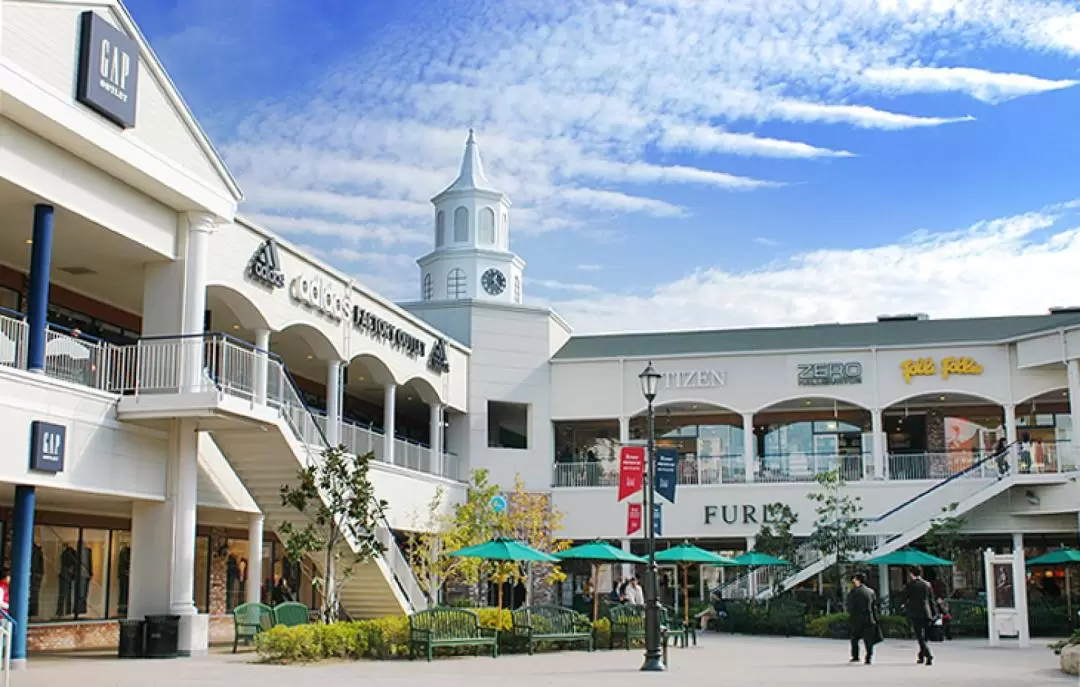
(437, 361)
(265, 266)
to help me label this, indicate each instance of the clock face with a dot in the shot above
(493, 281)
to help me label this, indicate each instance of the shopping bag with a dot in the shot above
(878, 635)
(935, 633)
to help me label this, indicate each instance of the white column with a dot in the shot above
(199, 228)
(182, 479)
(1011, 435)
(626, 567)
(389, 413)
(878, 440)
(751, 542)
(624, 429)
(883, 574)
(435, 431)
(255, 558)
(258, 376)
(1020, 589)
(749, 445)
(333, 402)
(1073, 369)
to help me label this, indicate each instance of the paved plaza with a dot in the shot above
(732, 661)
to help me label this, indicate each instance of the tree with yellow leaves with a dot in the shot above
(528, 517)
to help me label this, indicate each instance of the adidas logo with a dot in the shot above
(437, 361)
(265, 266)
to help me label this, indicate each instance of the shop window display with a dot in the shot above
(54, 574)
(236, 572)
(119, 573)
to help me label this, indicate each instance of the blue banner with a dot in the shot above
(667, 472)
(657, 521)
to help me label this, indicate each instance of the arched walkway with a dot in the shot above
(797, 439)
(935, 434)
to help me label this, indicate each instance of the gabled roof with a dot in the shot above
(981, 330)
(471, 177)
(156, 68)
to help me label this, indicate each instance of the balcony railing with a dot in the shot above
(155, 365)
(802, 467)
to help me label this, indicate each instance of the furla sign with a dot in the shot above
(108, 76)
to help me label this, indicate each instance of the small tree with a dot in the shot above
(837, 522)
(531, 519)
(775, 536)
(944, 539)
(338, 501)
(473, 522)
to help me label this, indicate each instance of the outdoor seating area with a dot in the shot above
(552, 624)
(252, 619)
(449, 627)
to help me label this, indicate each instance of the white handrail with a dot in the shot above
(6, 627)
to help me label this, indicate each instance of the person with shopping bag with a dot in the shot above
(863, 618)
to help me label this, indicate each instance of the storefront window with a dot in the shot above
(9, 299)
(202, 574)
(54, 574)
(119, 573)
(92, 590)
(236, 570)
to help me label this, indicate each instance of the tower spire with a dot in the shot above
(471, 177)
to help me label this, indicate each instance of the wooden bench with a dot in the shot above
(249, 620)
(290, 614)
(437, 627)
(552, 623)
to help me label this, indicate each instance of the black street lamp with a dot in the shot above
(650, 379)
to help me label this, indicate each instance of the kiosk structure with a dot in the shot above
(1006, 596)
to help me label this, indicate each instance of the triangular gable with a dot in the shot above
(202, 159)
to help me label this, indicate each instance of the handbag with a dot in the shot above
(934, 632)
(879, 635)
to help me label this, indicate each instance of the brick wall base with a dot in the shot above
(102, 635)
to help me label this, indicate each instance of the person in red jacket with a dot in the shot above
(5, 590)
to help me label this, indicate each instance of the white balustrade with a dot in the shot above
(13, 341)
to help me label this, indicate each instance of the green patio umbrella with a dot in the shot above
(597, 552)
(685, 555)
(1060, 557)
(504, 549)
(910, 557)
(755, 559)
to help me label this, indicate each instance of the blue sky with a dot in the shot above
(672, 163)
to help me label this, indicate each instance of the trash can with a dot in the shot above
(162, 636)
(132, 638)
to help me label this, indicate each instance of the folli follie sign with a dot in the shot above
(948, 367)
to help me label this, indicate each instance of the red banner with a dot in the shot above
(633, 518)
(631, 470)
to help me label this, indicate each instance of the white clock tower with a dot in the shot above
(472, 258)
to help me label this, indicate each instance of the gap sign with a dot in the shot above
(108, 78)
(47, 445)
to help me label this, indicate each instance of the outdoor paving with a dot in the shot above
(718, 660)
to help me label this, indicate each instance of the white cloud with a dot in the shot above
(710, 139)
(384, 235)
(556, 285)
(1016, 265)
(643, 173)
(590, 268)
(856, 115)
(619, 202)
(764, 241)
(987, 86)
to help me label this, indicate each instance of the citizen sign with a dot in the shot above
(694, 379)
(830, 374)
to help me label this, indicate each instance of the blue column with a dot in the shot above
(22, 541)
(38, 306)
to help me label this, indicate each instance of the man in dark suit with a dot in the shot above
(918, 597)
(862, 617)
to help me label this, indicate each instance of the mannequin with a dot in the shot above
(86, 573)
(66, 578)
(37, 574)
(123, 575)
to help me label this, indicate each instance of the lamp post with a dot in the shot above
(650, 379)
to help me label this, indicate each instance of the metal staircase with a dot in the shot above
(267, 434)
(905, 523)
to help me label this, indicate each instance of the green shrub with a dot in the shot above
(836, 626)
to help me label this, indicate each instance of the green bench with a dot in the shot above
(674, 628)
(453, 627)
(551, 624)
(627, 622)
(249, 620)
(290, 614)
